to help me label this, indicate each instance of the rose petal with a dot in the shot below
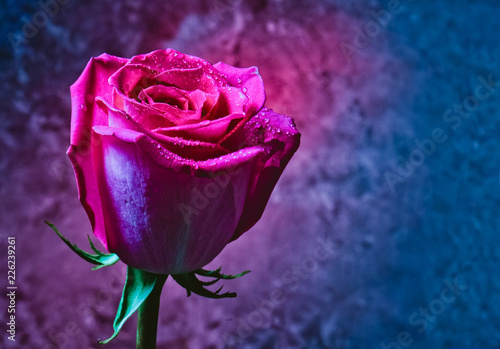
(249, 80)
(232, 100)
(211, 101)
(150, 116)
(198, 99)
(185, 79)
(172, 236)
(163, 60)
(207, 131)
(277, 134)
(132, 79)
(116, 118)
(184, 100)
(177, 105)
(84, 114)
(164, 94)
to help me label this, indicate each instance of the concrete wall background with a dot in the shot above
(398, 234)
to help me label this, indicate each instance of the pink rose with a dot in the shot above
(174, 157)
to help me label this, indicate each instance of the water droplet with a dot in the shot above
(245, 89)
(238, 81)
(266, 120)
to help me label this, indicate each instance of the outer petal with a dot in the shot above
(277, 134)
(84, 115)
(249, 80)
(159, 218)
(163, 60)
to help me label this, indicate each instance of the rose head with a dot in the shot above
(174, 157)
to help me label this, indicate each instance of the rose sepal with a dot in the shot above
(138, 287)
(142, 289)
(100, 259)
(193, 285)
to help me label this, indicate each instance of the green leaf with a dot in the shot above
(138, 286)
(100, 259)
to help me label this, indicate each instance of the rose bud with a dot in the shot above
(174, 157)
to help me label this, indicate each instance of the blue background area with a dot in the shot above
(365, 234)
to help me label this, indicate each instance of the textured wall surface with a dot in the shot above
(384, 227)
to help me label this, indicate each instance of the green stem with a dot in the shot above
(147, 321)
